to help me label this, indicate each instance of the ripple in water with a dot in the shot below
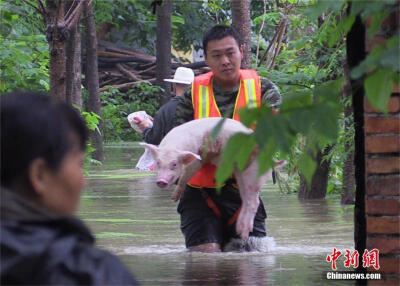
(253, 244)
(260, 244)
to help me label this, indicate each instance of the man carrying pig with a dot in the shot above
(208, 219)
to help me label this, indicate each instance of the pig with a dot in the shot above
(178, 156)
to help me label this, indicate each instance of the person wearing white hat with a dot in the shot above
(183, 77)
(164, 120)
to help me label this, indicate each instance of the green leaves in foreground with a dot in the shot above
(378, 88)
(381, 67)
(236, 153)
(314, 116)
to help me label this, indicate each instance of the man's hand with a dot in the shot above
(210, 148)
(143, 124)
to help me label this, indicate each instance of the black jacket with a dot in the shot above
(164, 121)
(40, 248)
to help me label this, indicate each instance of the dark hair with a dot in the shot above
(219, 32)
(35, 125)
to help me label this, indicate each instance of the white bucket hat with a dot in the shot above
(182, 76)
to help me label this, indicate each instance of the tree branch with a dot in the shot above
(60, 14)
(41, 7)
(124, 85)
(69, 10)
(127, 72)
(279, 41)
(74, 16)
(270, 45)
(34, 7)
(261, 28)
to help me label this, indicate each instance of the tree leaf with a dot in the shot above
(323, 6)
(378, 88)
(329, 91)
(248, 116)
(307, 166)
(228, 158)
(276, 128)
(296, 100)
(244, 151)
(265, 157)
(326, 121)
(300, 120)
(177, 19)
(342, 29)
(378, 17)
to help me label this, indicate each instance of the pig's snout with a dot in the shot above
(161, 183)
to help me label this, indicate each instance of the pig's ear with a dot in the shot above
(188, 157)
(152, 148)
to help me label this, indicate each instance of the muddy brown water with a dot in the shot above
(134, 219)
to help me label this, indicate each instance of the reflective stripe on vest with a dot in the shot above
(250, 91)
(204, 105)
(203, 100)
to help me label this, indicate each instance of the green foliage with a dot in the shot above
(186, 18)
(133, 19)
(310, 110)
(116, 106)
(237, 152)
(24, 51)
(317, 120)
(92, 123)
(311, 57)
(381, 66)
(198, 17)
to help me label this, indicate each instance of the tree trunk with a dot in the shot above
(56, 38)
(355, 48)
(163, 46)
(92, 82)
(319, 181)
(242, 23)
(348, 177)
(348, 180)
(73, 67)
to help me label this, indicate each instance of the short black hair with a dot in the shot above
(35, 125)
(219, 32)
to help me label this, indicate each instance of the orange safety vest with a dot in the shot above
(204, 105)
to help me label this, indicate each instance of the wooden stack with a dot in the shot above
(122, 68)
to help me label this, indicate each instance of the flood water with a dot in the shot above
(134, 219)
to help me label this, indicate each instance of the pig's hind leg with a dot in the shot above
(249, 189)
(187, 174)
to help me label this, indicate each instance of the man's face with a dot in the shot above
(224, 57)
(65, 185)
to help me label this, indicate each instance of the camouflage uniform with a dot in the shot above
(225, 101)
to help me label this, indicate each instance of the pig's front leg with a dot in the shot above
(249, 189)
(187, 174)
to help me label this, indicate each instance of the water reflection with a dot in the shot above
(227, 270)
(134, 219)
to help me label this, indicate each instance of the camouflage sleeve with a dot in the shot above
(270, 93)
(184, 110)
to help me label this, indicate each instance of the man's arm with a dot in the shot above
(153, 135)
(270, 93)
(184, 110)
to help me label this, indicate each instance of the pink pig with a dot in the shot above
(177, 157)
